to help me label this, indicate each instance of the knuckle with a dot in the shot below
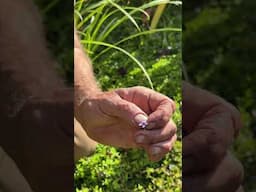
(170, 103)
(123, 106)
(174, 126)
(231, 108)
(165, 117)
(217, 152)
(168, 146)
(173, 105)
(216, 146)
(172, 129)
(175, 137)
(236, 117)
(162, 115)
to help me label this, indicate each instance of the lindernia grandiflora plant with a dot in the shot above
(143, 124)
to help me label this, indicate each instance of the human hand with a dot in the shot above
(210, 124)
(160, 134)
(112, 118)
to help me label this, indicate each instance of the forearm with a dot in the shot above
(24, 50)
(85, 82)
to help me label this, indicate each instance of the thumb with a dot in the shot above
(129, 112)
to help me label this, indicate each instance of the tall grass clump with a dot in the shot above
(97, 20)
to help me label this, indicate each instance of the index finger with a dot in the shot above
(158, 106)
(163, 108)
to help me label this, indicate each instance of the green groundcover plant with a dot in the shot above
(132, 43)
(221, 27)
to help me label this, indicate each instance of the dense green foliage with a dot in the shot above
(113, 169)
(153, 57)
(219, 53)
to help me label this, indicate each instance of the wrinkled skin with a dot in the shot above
(111, 118)
(210, 124)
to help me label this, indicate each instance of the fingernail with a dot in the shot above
(140, 139)
(140, 118)
(151, 125)
(155, 150)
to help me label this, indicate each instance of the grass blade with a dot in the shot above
(126, 53)
(126, 14)
(148, 32)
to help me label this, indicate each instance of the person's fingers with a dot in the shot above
(157, 151)
(130, 113)
(215, 125)
(198, 104)
(156, 135)
(113, 105)
(209, 127)
(198, 148)
(210, 138)
(162, 112)
(158, 106)
(227, 177)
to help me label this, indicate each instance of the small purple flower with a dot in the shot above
(143, 124)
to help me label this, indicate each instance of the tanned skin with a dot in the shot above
(24, 50)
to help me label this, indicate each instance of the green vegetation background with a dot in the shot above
(219, 54)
